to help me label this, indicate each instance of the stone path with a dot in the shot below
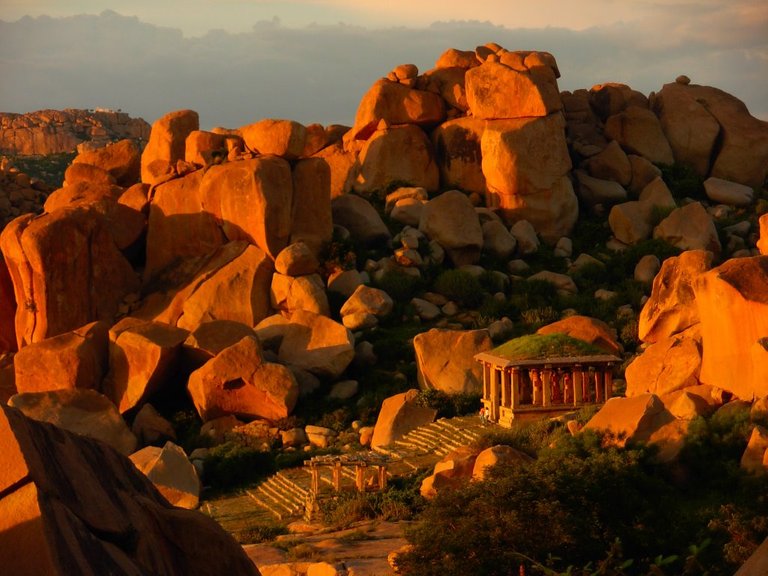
(283, 495)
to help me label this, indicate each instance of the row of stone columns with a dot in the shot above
(336, 469)
(503, 386)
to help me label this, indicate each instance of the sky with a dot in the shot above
(236, 61)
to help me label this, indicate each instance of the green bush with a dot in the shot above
(460, 286)
(683, 181)
(400, 286)
(449, 405)
(229, 466)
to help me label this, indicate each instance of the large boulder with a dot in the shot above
(238, 381)
(396, 103)
(362, 220)
(210, 338)
(445, 359)
(762, 243)
(638, 131)
(731, 193)
(66, 272)
(526, 164)
(253, 201)
(611, 164)
(667, 365)
(167, 145)
(299, 293)
(8, 309)
(284, 138)
(458, 154)
(171, 472)
(497, 90)
(399, 415)
(689, 228)
(178, 226)
(451, 221)
(742, 146)
(753, 458)
(71, 505)
(84, 412)
(588, 329)
(317, 344)
(732, 303)
(311, 220)
(499, 455)
(238, 291)
(142, 356)
(757, 563)
(455, 469)
(396, 154)
(672, 305)
(77, 359)
(122, 160)
(631, 420)
(690, 128)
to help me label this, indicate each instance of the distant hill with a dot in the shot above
(48, 132)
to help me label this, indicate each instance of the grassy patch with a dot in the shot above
(539, 347)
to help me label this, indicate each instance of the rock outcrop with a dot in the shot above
(71, 505)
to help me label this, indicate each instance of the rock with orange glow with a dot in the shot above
(611, 164)
(72, 505)
(689, 228)
(142, 356)
(399, 415)
(178, 226)
(690, 128)
(81, 193)
(762, 243)
(445, 359)
(451, 221)
(509, 89)
(84, 412)
(526, 163)
(167, 145)
(81, 172)
(263, 185)
(638, 131)
(588, 329)
(732, 302)
(342, 164)
(237, 291)
(396, 103)
(122, 160)
(316, 344)
(77, 359)
(753, 458)
(672, 308)
(238, 381)
(630, 420)
(453, 58)
(455, 469)
(398, 153)
(612, 98)
(210, 338)
(667, 365)
(299, 293)
(171, 472)
(66, 271)
(449, 83)
(499, 455)
(205, 148)
(284, 138)
(458, 154)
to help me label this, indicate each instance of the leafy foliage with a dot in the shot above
(460, 286)
(540, 346)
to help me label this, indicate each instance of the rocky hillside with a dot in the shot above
(48, 132)
(258, 275)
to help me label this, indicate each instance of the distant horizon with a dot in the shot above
(318, 72)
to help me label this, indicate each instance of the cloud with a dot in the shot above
(318, 73)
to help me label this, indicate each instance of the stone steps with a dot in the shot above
(283, 494)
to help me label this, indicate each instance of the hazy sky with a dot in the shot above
(236, 61)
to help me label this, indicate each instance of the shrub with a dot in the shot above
(449, 405)
(229, 466)
(400, 286)
(460, 286)
(683, 181)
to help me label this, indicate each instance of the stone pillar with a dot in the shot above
(505, 391)
(337, 476)
(360, 476)
(486, 381)
(495, 394)
(535, 376)
(578, 385)
(599, 388)
(315, 484)
(516, 389)
(546, 390)
(382, 469)
(608, 380)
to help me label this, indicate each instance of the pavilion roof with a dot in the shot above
(540, 349)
